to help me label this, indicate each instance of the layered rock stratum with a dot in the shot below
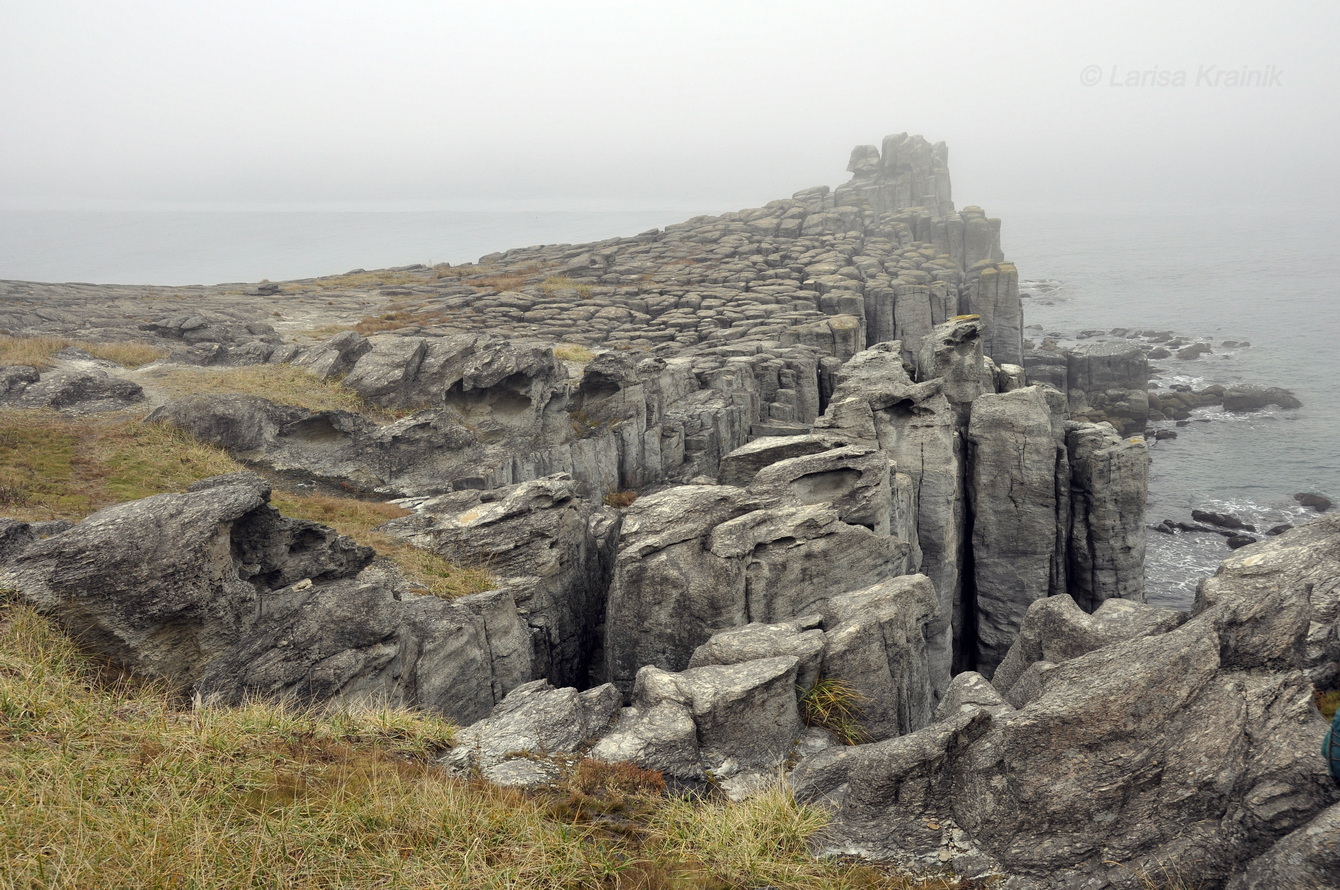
(850, 471)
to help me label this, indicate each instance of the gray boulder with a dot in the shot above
(78, 392)
(1055, 630)
(875, 642)
(1137, 757)
(744, 720)
(515, 744)
(1276, 603)
(802, 639)
(1308, 857)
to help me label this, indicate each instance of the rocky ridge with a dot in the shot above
(850, 471)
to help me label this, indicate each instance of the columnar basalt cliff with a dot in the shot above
(846, 473)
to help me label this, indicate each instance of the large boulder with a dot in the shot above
(1136, 758)
(516, 743)
(1276, 603)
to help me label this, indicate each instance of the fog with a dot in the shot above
(693, 106)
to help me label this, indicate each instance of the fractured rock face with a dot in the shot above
(215, 592)
(1163, 752)
(551, 549)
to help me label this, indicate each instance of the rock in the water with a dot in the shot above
(1317, 502)
(1251, 398)
(1223, 520)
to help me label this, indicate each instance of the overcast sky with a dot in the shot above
(700, 106)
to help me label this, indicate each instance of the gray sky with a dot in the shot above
(700, 106)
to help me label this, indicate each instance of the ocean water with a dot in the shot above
(212, 247)
(1254, 273)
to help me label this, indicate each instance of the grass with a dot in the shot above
(620, 500)
(361, 279)
(282, 384)
(39, 351)
(1327, 702)
(835, 706)
(563, 282)
(106, 782)
(435, 574)
(398, 318)
(52, 467)
(573, 352)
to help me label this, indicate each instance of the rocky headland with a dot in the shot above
(799, 447)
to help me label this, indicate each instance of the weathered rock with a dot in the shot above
(744, 717)
(875, 642)
(551, 549)
(532, 723)
(1309, 857)
(1108, 484)
(80, 392)
(1014, 460)
(1056, 630)
(915, 424)
(740, 466)
(1140, 756)
(801, 639)
(214, 591)
(1276, 604)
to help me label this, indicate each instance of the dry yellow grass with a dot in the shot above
(52, 467)
(106, 782)
(573, 352)
(358, 519)
(282, 384)
(39, 351)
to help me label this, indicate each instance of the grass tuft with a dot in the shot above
(1327, 702)
(620, 500)
(835, 706)
(573, 352)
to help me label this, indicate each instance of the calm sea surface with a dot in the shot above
(1261, 274)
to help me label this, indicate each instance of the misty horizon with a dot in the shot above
(687, 107)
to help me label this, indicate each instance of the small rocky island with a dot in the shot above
(799, 447)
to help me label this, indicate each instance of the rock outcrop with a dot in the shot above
(218, 594)
(1124, 746)
(846, 468)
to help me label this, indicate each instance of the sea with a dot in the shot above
(1237, 272)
